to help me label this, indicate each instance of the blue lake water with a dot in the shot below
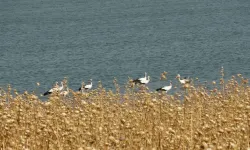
(46, 40)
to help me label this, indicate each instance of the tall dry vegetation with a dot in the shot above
(198, 119)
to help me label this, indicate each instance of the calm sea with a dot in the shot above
(47, 40)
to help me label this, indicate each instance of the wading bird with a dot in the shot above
(165, 88)
(56, 88)
(144, 80)
(184, 80)
(86, 87)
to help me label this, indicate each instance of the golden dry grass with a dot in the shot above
(202, 119)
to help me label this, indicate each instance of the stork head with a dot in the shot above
(178, 76)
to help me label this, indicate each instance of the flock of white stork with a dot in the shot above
(60, 89)
(144, 80)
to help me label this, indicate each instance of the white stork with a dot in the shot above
(184, 80)
(86, 87)
(143, 80)
(55, 89)
(165, 88)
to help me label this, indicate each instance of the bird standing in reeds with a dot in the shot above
(86, 87)
(185, 80)
(165, 88)
(143, 80)
(56, 88)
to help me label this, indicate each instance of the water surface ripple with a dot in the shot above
(46, 40)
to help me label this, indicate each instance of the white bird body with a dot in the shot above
(87, 87)
(165, 88)
(183, 81)
(55, 89)
(143, 80)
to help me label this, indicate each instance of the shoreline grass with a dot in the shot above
(203, 119)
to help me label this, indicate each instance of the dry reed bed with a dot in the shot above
(211, 120)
